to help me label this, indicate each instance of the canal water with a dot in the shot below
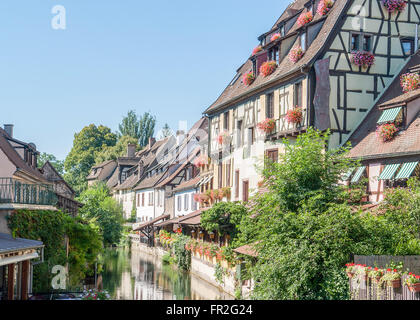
(134, 275)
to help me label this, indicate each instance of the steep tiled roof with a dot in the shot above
(102, 171)
(247, 250)
(239, 91)
(18, 162)
(190, 184)
(364, 140)
(402, 99)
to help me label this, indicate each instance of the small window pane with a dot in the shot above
(407, 47)
(354, 42)
(303, 41)
(367, 43)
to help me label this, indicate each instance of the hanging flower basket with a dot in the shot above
(248, 78)
(394, 5)
(362, 59)
(305, 18)
(387, 131)
(324, 7)
(275, 36)
(267, 125)
(413, 282)
(223, 138)
(268, 68)
(256, 50)
(294, 115)
(296, 54)
(410, 81)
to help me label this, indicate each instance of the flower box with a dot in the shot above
(415, 287)
(410, 81)
(275, 36)
(268, 68)
(394, 283)
(362, 59)
(387, 131)
(248, 78)
(224, 138)
(267, 125)
(256, 50)
(394, 5)
(294, 115)
(305, 18)
(324, 7)
(296, 54)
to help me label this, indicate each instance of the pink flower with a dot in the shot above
(324, 7)
(296, 54)
(394, 5)
(256, 50)
(275, 36)
(248, 78)
(305, 18)
(268, 68)
(410, 81)
(362, 58)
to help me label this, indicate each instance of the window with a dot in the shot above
(273, 54)
(179, 203)
(220, 173)
(269, 109)
(193, 203)
(186, 201)
(237, 184)
(245, 190)
(303, 41)
(367, 40)
(251, 135)
(239, 133)
(282, 31)
(228, 174)
(408, 46)
(297, 94)
(226, 120)
(273, 155)
(142, 199)
(355, 39)
(254, 67)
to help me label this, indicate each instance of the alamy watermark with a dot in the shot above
(58, 21)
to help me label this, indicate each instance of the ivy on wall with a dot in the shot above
(52, 227)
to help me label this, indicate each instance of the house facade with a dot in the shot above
(312, 68)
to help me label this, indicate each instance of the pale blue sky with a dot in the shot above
(170, 57)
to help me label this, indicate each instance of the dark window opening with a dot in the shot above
(355, 39)
(367, 43)
(269, 110)
(297, 97)
(226, 121)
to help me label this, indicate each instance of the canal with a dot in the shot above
(134, 275)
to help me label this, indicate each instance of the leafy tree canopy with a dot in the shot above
(90, 140)
(166, 131)
(147, 128)
(130, 126)
(57, 164)
(105, 210)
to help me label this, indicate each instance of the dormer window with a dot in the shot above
(282, 31)
(393, 115)
(303, 41)
(273, 54)
(310, 6)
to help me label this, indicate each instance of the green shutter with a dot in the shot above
(358, 174)
(406, 170)
(389, 171)
(389, 115)
(347, 175)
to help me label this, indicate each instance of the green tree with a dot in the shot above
(147, 128)
(130, 126)
(99, 206)
(303, 229)
(165, 132)
(113, 152)
(57, 164)
(90, 140)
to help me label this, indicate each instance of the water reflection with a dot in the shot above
(139, 276)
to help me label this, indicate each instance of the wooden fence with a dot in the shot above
(361, 289)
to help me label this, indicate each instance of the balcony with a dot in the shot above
(284, 129)
(15, 192)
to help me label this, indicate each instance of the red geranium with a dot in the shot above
(410, 81)
(387, 131)
(267, 125)
(248, 78)
(268, 68)
(275, 36)
(324, 7)
(294, 115)
(305, 18)
(256, 50)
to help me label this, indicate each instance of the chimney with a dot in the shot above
(179, 136)
(9, 129)
(151, 142)
(131, 150)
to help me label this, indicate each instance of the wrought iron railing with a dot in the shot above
(14, 191)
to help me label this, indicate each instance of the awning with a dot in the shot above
(18, 258)
(205, 180)
(406, 170)
(389, 115)
(347, 175)
(139, 226)
(389, 171)
(358, 174)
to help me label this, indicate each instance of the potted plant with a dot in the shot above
(376, 274)
(256, 50)
(275, 36)
(410, 81)
(394, 5)
(305, 18)
(350, 269)
(226, 192)
(296, 54)
(248, 78)
(267, 125)
(223, 137)
(362, 58)
(268, 68)
(324, 7)
(393, 278)
(362, 271)
(294, 115)
(387, 131)
(413, 282)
